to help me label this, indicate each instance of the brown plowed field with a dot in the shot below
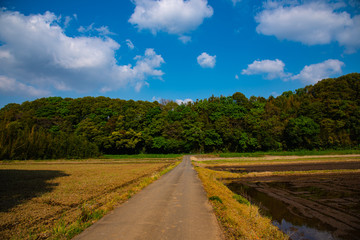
(288, 167)
(326, 200)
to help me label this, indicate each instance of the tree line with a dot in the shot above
(321, 116)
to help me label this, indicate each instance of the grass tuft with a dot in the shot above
(241, 199)
(215, 198)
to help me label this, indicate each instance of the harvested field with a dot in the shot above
(57, 199)
(312, 199)
(309, 197)
(330, 202)
(305, 166)
(272, 157)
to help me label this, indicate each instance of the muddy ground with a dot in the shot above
(305, 166)
(326, 201)
(269, 157)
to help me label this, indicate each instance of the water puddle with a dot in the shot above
(287, 217)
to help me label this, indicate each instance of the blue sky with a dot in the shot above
(173, 49)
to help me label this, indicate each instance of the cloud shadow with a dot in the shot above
(19, 186)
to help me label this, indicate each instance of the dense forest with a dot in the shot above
(321, 116)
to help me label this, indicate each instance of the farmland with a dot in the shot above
(58, 199)
(313, 197)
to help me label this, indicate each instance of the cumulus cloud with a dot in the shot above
(185, 101)
(310, 74)
(9, 86)
(270, 69)
(310, 23)
(206, 61)
(313, 73)
(172, 16)
(145, 66)
(37, 54)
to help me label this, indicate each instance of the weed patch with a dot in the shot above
(215, 198)
(241, 199)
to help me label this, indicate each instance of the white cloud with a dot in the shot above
(185, 39)
(235, 1)
(130, 44)
(185, 101)
(146, 66)
(103, 30)
(83, 29)
(67, 21)
(313, 73)
(310, 23)
(36, 52)
(172, 16)
(158, 99)
(9, 86)
(206, 61)
(271, 69)
(236, 77)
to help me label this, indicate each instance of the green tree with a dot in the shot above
(301, 132)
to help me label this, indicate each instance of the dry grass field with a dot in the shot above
(58, 199)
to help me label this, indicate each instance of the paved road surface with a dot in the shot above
(174, 207)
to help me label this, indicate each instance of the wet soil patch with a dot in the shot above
(316, 206)
(287, 167)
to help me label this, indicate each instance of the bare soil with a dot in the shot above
(269, 158)
(303, 166)
(328, 200)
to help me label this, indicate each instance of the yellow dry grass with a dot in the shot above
(58, 200)
(239, 220)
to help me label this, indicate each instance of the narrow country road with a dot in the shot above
(174, 207)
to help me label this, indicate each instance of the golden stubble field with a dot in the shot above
(58, 199)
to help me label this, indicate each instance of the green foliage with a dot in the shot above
(215, 198)
(301, 132)
(323, 116)
(246, 143)
(241, 199)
